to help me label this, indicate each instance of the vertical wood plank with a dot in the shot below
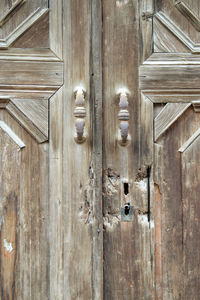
(190, 161)
(96, 162)
(30, 270)
(127, 245)
(56, 211)
(77, 214)
(9, 214)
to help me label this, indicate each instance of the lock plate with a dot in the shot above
(127, 216)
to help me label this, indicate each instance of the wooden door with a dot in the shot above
(99, 140)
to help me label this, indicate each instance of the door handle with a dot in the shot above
(80, 114)
(123, 117)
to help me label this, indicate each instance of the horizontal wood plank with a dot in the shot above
(166, 76)
(31, 73)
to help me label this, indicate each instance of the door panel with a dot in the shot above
(99, 139)
(177, 189)
(24, 212)
(168, 80)
(24, 149)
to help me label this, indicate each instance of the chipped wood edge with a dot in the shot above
(189, 14)
(177, 32)
(196, 105)
(26, 24)
(11, 134)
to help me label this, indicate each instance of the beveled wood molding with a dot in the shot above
(188, 13)
(11, 134)
(28, 55)
(25, 25)
(190, 141)
(39, 128)
(177, 32)
(167, 117)
(14, 6)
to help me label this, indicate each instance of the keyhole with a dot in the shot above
(126, 188)
(127, 209)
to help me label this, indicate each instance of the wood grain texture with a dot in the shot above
(71, 214)
(37, 36)
(178, 33)
(31, 114)
(127, 250)
(190, 191)
(13, 6)
(164, 40)
(146, 9)
(24, 243)
(168, 115)
(96, 127)
(36, 111)
(174, 239)
(31, 73)
(181, 23)
(25, 270)
(25, 25)
(190, 15)
(166, 76)
(9, 213)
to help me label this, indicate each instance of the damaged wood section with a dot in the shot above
(127, 245)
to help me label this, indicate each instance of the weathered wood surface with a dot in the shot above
(30, 73)
(168, 115)
(71, 172)
(28, 79)
(127, 247)
(62, 235)
(24, 214)
(170, 81)
(177, 26)
(16, 19)
(177, 193)
(169, 76)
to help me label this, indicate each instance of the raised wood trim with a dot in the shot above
(180, 35)
(37, 132)
(168, 116)
(28, 55)
(11, 134)
(189, 14)
(25, 25)
(189, 141)
(14, 6)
